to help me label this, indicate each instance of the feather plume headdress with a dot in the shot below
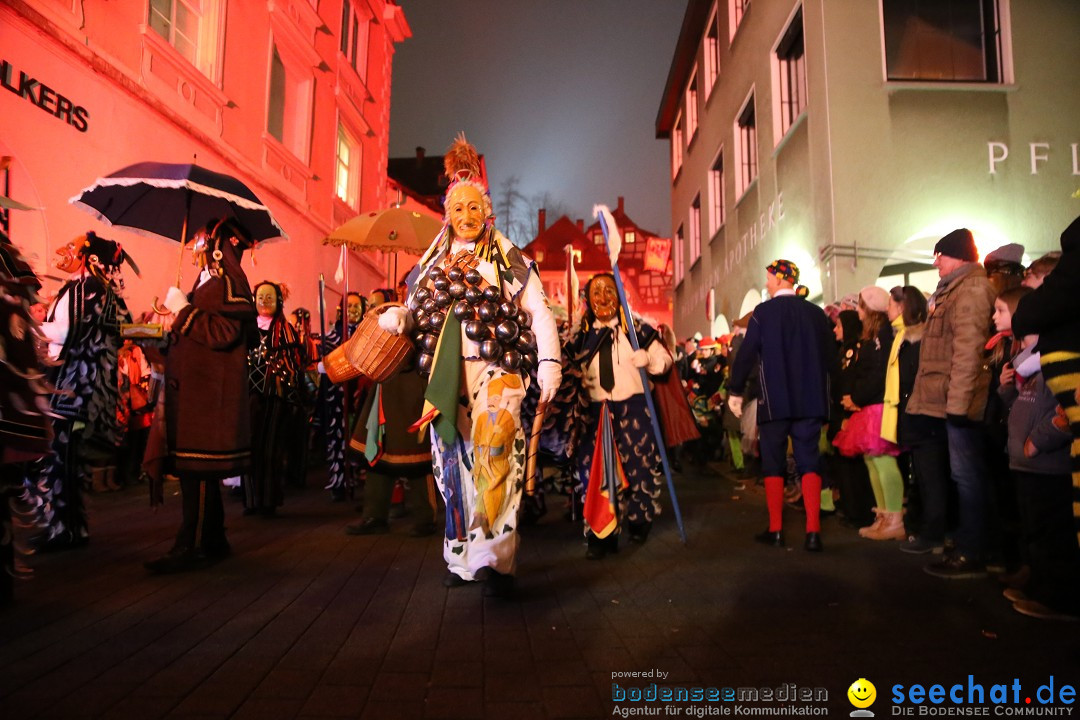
(462, 166)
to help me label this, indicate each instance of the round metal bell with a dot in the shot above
(472, 276)
(487, 311)
(437, 319)
(464, 312)
(526, 340)
(457, 289)
(441, 283)
(508, 310)
(429, 307)
(477, 331)
(490, 350)
(442, 299)
(507, 332)
(474, 295)
(455, 274)
(428, 342)
(424, 362)
(435, 273)
(492, 293)
(423, 322)
(524, 319)
(422, 294)
(511, 360)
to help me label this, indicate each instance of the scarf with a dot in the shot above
(890, 413)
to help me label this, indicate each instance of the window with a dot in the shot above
(289, 108)
(354, 38)
(598, 239)
(712, 53)
(191, 27)
(629, 237)
(350, 154)
(716, 194)
(691, 108)
(746, 145)
(695, 229)
(943, 40)
(737, 10)
(677, 147)
(680, 270)
(790, 75)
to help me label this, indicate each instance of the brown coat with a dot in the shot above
(952, 379)
(206, 381)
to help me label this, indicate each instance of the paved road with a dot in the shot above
(306, 622)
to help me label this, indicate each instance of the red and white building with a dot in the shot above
(292, 97)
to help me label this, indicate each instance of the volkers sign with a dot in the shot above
(43, 96)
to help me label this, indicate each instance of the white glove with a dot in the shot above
(549, 376)
(734, 402)
(640, 358)
(395, 320)
(321, 368)
(176, 299)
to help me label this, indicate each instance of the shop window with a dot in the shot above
(943, 40)
(354, 38)
(350, 154)
(691, 108)
(712, 53)
(716, 194)
(695, 229)
(289, 107)
(790, 69)
(677, 147)
(191, 27)
(746, 145)
(737, 10)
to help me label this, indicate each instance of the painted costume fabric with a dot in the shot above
(337, 424)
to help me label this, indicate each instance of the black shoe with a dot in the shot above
(422, 530)
(453, 580)
(769, 537)
(597, 548)
(498, 585)
(368, 526)
(956, 567)
(176, 560)
(64, 540)
(813, 542)
(639, 532)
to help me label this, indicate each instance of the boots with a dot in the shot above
(892, 528)
(879, 520)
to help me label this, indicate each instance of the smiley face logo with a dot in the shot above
(862, 693)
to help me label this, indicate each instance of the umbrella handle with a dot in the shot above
(159, 309)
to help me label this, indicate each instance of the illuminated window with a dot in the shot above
(677, 147)
(716, 193)
(598, 238)
(691, 108)
(191, 27)
(746, 145)
(712, 53)
(289, 107)
(679, 267)
(629, 237)
(737, 10)
(350, 153)
(695, 229)
(943, 40)
(790, 75)
(354, 38)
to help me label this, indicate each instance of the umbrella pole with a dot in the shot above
(183, 240)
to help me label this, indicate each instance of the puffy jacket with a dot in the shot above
(952, 379)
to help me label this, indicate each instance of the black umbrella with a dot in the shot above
(166, 199)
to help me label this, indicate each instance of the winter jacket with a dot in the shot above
(871, 362)
(952, 379)
(913, 429)
(1031, 413)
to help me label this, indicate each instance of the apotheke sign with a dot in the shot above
(43, 96)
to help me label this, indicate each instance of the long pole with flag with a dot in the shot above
(613, 242)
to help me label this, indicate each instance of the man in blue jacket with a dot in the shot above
(793, 340)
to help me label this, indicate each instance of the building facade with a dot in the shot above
(849, 135)
(292, 97)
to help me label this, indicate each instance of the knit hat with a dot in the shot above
(1007, 259)
(785, 270)
(959, 244)
(875, 298)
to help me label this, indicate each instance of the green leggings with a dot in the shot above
(886, 482)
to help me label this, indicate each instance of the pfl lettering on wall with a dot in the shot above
(44, 97)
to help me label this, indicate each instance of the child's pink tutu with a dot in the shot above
(861, 435)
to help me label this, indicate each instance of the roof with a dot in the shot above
(548, 248)
(693, 27)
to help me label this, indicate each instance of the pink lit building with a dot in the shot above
(290, 96)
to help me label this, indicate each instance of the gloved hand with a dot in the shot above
(734, 402)
(640, 358)
(176, 299)
(549, 376)
(395, 320)
(321, 368)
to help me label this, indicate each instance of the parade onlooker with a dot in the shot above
(793, 341)
(847, 474)
(1005, 267)
(207, 405)
(1039, 269)
(676, 417)
(952, 384)
(862, 433)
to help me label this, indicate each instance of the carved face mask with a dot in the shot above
(603, 299)
(67, 258)
(466, 212)
(266, 300)
(354, 309)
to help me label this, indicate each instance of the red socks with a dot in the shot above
(774, 499)
(811, 496)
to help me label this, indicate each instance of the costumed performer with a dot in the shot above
(207, 408)
(470, 280)
(337, 402)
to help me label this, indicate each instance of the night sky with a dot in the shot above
(561, 93)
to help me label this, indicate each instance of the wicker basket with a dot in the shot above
(371, 351)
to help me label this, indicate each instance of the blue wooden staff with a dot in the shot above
(602, 213)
